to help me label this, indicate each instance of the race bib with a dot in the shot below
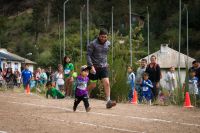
(60, 82)
(145, 88)
(67, 71)
(82, 86)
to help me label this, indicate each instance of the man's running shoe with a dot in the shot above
(110, 104)
(74, 108)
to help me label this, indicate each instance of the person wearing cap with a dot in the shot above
(81, 92)
(97, 52)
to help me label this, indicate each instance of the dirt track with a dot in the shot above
(21, 113)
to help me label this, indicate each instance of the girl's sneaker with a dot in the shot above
(74, 108)
(88, 109)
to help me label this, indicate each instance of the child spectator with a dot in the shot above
(32, 83)
(170, 80)
(68, 71)
(131, 82)
(53, 92)
(37, 76)
(43, 77)
(146, 88)
(18, 77)
(193, 83)
(81, 92)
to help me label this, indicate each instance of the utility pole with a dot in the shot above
(148, 31)
(130, 35)
(88, 24)
(81, 31)
(112, 36)
(187, 35)
(179, 57)
(59, 39)
(64, 27)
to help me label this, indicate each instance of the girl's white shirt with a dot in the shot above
(170, 81)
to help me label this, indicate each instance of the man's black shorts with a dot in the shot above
(101, 72)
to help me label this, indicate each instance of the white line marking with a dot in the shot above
(113, 128)
(89, 124)
(188, 124)
(3, 132)
(106, 114)
(148, 119)
(85, 123)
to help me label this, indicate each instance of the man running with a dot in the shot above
(97, 52)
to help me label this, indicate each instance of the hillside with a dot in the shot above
(33, 25)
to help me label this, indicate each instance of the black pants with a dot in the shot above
(78, 99)
(155, 91)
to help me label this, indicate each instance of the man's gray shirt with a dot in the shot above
(97, 53)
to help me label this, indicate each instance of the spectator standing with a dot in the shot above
(193, 83)
(10, 78)
(59, 78)
(139, 75)
(18, 77)
(43, 77)
(37, 76)
(196, 68)
(170, 80)
(131, 82)
(68, 71)
(26, 76)
(153, 69)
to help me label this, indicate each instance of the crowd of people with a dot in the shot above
(147, 81)
(10, 78)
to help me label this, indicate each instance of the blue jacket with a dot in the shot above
(131, 80)
(26, 76)
(147, 85)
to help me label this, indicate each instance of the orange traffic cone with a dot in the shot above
(187, 103)
(135, 99)
(28, 89)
